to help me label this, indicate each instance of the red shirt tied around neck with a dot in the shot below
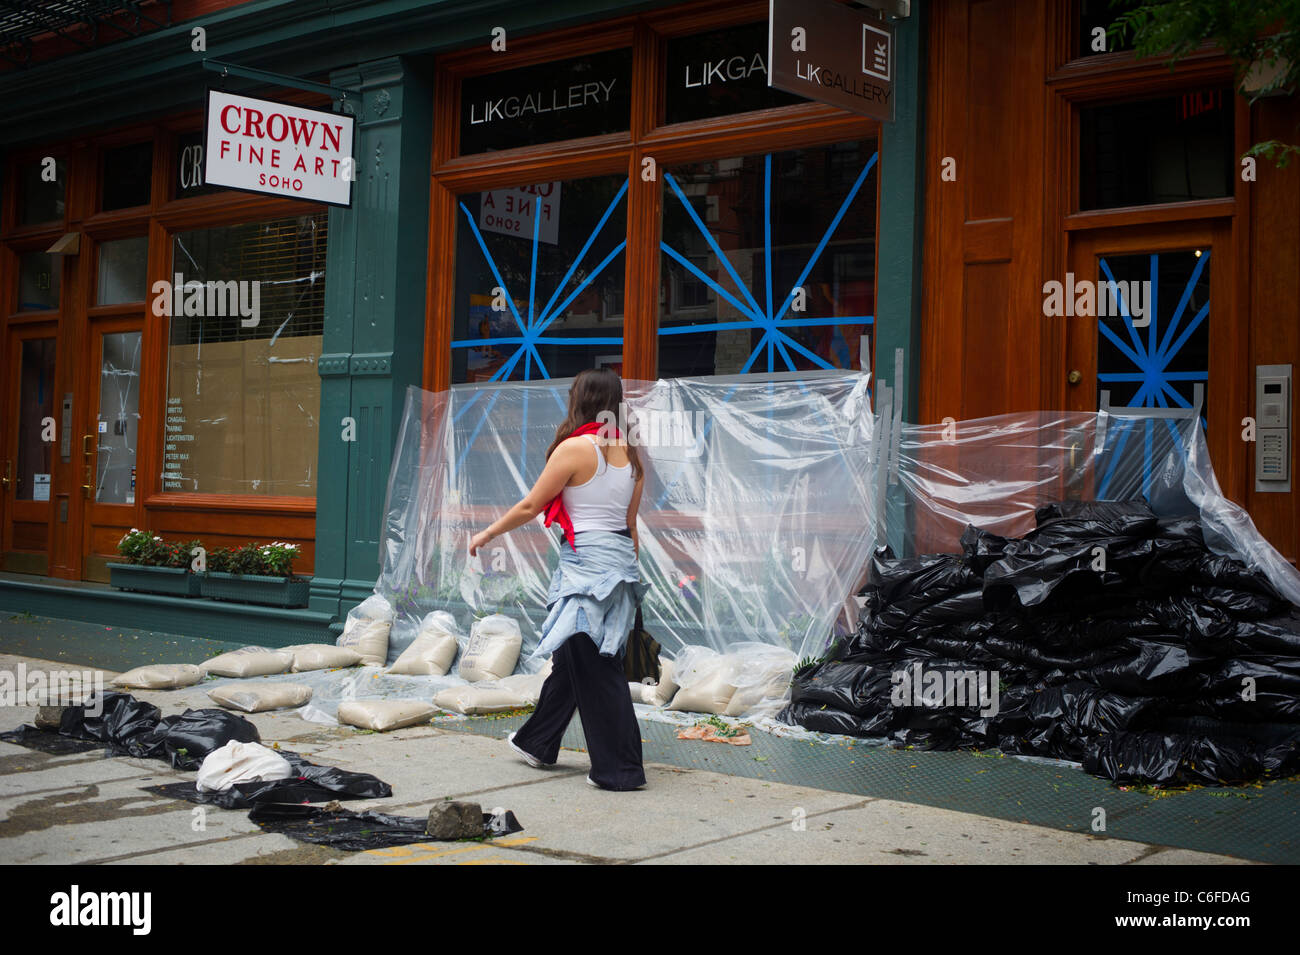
(555, 512)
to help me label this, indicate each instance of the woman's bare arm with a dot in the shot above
(560, 468)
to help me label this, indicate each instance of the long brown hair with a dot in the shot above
(594, 390)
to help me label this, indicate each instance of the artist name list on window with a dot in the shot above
(176, 450)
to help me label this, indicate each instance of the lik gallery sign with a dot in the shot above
(832, 53)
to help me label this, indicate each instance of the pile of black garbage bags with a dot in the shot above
(1106, 636)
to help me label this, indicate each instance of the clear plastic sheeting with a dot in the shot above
(994, 473)
(755, 520)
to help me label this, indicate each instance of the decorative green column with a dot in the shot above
(374, 321)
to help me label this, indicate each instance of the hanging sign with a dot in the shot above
(514, 212)
(262, 146)
(832, 53)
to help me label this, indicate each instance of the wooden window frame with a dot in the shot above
(801, 125)
(175, 514)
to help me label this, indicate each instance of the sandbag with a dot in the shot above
(492, 650)
(481, 698)
(160, 676)
(258, 697)
(434, 648)
(238, 762)
(707, 696)
(367, 628)
(249, 662)
(656, 694)
(322, 656)
(384, 715)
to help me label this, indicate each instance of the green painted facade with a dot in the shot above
(376, 269)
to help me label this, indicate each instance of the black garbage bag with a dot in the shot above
(1180, 759)
(118, 719)
(902, 587)
(1257, 689)
(49, 741)
(1223, 571)
(981, 548)
(1239, 604)
(955, 609)
(309, 782)
(359, 831)
(1029, 576)
(1151, 668)
(1278, 635)
(859, 689)
(1078, 710)
(821, 718)
(1085, 520)
(186, 739)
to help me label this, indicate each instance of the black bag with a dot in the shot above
(641, 655)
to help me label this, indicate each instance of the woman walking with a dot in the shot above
(590, 486)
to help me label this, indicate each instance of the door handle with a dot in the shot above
(87, 487)
(86, 440)
(9, 473)
(1074, 377)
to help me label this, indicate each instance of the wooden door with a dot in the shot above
(32, 412)
(1161, 321)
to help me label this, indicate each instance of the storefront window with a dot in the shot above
(38, 281)
(243, 393)
(539, 280)
(768, 262)
(1172, 149)
(119, 418)
(123, 265)
(127, 176)
(42, 187)
(36, 404)
(719, 73)
(567, 99)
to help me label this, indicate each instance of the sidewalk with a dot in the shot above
(84, 808)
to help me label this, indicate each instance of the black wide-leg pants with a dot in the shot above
(594, 685)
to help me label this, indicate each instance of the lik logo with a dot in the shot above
(74, 908)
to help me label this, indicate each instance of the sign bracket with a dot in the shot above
(276, 79)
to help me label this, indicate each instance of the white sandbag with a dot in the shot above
(493, 649)
(160, 676)
(434, 648)
(482, 698)
(656, 694)
(385, 715)
(762, 674)
(705, 680)
(526, 686)
(321, 656)
(248, 662)
(258, 697)
(366, 630)
(760, 698)
(238, 762)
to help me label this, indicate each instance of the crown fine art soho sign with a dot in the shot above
(262, 146)
(833, 54)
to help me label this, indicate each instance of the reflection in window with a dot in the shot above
(38, 281)
(42, 187)
(768, 262)
(123, 265)
(555, 249)
(127, 176)
(36, 403)
(1173, 149)
(243, 393)
(119, 418)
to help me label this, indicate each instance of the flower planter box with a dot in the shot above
(255, 589)
(175, 581)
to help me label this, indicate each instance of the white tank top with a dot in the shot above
(601, 503)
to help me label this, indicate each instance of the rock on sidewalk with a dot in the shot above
(49, 717)
(455, 820)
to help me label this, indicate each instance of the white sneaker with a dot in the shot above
(592, 783)
(527, 757)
